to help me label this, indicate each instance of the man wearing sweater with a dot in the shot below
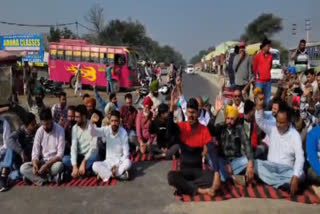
(242, 67)
(262, 69)
(83, 147)
(284, 165)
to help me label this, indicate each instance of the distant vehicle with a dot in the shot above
(164, 72)
(190, 69)
(276, 70)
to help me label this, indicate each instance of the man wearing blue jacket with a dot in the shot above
(313, 156)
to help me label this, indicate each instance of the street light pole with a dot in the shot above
(308, 29)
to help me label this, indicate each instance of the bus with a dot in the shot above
(66, 55)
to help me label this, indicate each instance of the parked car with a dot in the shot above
(276, 72)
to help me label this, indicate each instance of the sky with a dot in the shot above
(187, 25)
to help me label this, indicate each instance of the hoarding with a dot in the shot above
(32, 44)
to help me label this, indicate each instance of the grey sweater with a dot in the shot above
(244, 72)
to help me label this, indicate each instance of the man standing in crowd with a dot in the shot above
(284, 166)
(19, 148)
(83, 148)
(232, 139)
(60, 110)
(242, 67)
(230, 66)
(47, 153)
(262, 69)
(108, 76)
(78, 85)
(300, 57)
(117, 162)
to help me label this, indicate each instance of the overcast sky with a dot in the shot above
(187, 25)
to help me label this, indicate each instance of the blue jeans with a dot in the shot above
(266, 89)
(68, 166)
(273, 174)
(12, 161)
(109, 86)
(237, 165)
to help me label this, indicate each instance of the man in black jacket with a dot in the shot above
(167, 145)
(232, 139)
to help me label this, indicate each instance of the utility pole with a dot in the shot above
(294, 29)
(308, 29)
(77, 29)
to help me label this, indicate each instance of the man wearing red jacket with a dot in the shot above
(262, 69)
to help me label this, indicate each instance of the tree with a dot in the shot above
(96, 18)
(266, 25)
(55, 34)
(197, 58)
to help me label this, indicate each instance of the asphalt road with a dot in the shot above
(147, 193)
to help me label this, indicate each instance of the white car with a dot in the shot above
(190, 69)
(276, 72)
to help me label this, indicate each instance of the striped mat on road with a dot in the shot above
(257, 190)
(85, 182)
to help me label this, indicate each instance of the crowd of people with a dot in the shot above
(271, 139)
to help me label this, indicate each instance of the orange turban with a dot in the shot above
(257, 91)
(90, 100)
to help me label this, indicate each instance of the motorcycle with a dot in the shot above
(50, 87)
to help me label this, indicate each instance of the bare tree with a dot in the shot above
(95, 17)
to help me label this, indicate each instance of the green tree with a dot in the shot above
(55, 34)
(266, 25)
(197, 58)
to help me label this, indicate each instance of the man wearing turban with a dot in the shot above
(154, 95)
(143, 122)
(232, 138)
(90, 103)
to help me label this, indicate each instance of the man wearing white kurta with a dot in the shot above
(117, 162)
(284, 167)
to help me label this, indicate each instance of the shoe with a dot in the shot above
(3, 184)
(125, 176)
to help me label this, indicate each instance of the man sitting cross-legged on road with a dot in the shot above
(195, 142)
(232, 138)
(167, 145)
(19, 148)
(47, 152)
(284, 166)
(83, 147)
(117, 162)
